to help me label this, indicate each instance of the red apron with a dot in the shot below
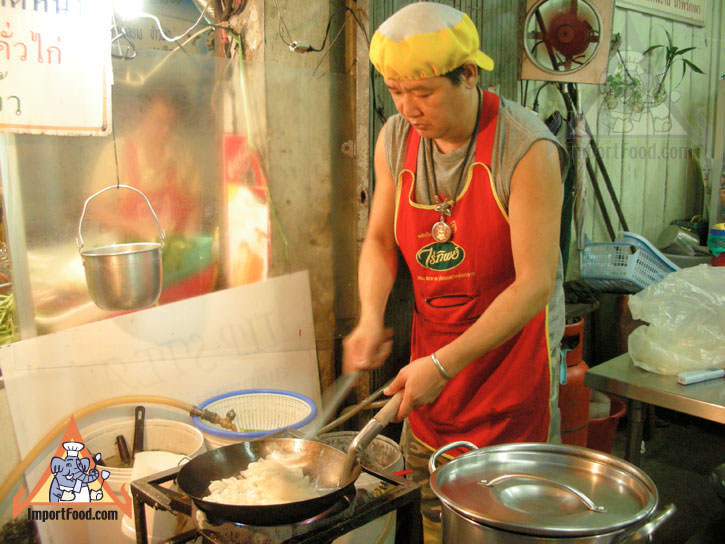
(504, 395)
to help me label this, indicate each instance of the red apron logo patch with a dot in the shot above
(440, 256)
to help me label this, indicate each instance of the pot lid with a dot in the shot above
(545, 489)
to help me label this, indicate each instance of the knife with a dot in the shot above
(138, 429)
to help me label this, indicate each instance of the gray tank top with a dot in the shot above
(517, 129)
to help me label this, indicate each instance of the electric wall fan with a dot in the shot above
(567, 40)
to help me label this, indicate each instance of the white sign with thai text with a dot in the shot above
(55, 66)
(686, 11)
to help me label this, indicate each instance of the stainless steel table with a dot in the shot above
(621, 377)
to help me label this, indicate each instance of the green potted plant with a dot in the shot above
(633, 85)
(623, 88)
(672, 55)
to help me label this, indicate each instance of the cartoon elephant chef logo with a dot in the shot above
(73, 473)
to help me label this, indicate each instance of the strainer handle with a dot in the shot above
(79, 239)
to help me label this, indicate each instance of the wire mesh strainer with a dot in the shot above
(259, 412)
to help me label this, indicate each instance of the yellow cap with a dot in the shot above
(423, 40)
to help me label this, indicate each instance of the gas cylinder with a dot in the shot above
(573, 394)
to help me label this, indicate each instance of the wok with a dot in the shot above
(334, 472)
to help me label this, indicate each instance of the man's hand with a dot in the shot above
(366, 347)
(421, 384)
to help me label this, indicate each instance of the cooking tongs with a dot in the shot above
(366, 435)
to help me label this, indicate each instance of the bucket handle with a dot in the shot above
(586, 501)
(79, 239)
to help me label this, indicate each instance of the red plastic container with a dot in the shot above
(574, 395)
(601, 431)
(197, 284)
(573, 340)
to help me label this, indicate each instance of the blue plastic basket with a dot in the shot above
(627, 265)
(259, 412)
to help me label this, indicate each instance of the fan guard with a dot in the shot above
(564, 37)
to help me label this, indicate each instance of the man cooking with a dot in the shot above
(468, 189)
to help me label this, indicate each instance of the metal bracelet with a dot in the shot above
(439, 366)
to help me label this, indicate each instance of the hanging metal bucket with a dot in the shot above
(123, 276)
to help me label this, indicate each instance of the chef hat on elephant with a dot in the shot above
(72, 448)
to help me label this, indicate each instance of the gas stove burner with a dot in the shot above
(355, 508)
(344, 503)
(208, 524)
(227, 532)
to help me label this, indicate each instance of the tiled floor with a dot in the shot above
(679, 456)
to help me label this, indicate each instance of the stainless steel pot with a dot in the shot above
(543, 493)
(123, 276)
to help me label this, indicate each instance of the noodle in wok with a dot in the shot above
(271, 480)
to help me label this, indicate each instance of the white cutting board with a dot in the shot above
(255, 336)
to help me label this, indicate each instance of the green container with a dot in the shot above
(184, 257)
(716, 239)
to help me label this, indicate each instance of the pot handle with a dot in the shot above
(645, 531)
(586, 501)
(79, 239)
(460, 444)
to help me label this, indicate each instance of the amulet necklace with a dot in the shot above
(441, 230)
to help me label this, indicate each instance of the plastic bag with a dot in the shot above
(685, 313)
